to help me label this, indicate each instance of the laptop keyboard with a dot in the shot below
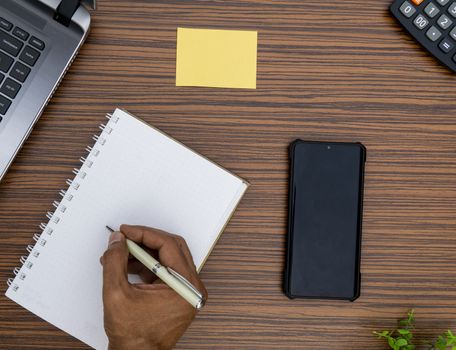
(19, 53)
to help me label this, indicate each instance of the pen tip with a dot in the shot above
(109, 229)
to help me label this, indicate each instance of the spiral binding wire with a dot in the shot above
(41, 239)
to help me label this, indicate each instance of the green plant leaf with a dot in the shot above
(401, 342)
(382, 334)
(392, 343)
(408, 322)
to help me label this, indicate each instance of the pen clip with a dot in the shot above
(186, 282)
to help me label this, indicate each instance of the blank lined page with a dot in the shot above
(134, 174)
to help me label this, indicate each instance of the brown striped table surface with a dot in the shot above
(339, 71)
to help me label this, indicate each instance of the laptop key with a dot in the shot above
(10, 44)
(4, 105)
(20, 72)
(5, 62)
(4, 24)
(20, 33)
(29, 56)
(10, 88)
(2, 76)
(36, 43)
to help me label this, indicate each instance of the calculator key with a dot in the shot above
(417, 2)
(453, 33)
(29, 56)
(407, 9)
(37, 43)
(431, 10)
(452, 9)
(442, 2)
(4, 24)
(20, 72)
(4, 105)
(444, 22)
(10, 88)
(420, 22)
(446, 45)
(433, 33)
(5, 62)
(20, 33)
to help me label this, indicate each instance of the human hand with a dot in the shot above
(146, 316)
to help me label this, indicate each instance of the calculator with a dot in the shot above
(433, 24)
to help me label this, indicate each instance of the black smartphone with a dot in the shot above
(325, 217)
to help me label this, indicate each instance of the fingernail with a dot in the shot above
(115, 237)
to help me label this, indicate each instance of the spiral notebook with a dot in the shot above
(133, 174)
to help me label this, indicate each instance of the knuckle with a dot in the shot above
(112, 252)
(180, 240)
(108, 254)
(172, 241)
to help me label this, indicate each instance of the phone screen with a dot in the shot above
(325, 219)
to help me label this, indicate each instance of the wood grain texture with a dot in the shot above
(338, 71)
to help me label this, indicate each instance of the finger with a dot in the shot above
(173, 250)
(169, 251)
(193, 273)
(152, 287)
(115, 261)
(151, 237)
(155, 289)
(182, 243)
(136, 267)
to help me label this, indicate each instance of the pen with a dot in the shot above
(173, 279)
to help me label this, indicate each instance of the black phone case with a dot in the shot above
(289, 242)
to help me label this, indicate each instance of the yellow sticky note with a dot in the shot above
(216, 58)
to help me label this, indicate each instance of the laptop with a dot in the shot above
(39, 40)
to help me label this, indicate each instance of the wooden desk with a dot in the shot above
(324, 73)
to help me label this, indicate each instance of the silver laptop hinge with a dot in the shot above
(67, 8)
(65, 11)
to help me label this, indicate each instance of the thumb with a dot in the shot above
(115, 262)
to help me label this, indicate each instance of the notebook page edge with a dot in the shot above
(182, 144)
(94, 341)
(236, 201)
